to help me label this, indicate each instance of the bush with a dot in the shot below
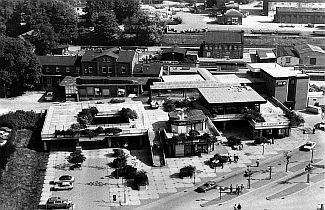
(261, 140)
(128, 113)
(295, 119)
(99, 130)
(119, 162)
(112, 130)
(234, 140)
(141, 178)
(169, 105)
(19, 120)
(76, 158)
(118, 153)
(187, 171)
(89, 133)
(5, 152)
(252, 115)
(128, 172)
(116, 100)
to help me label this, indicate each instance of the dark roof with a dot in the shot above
(90, 55)
(99, 80)
(152, 69)
(189, 115)
(301, 1)
(175, 50)
(57, 60)
(125, 56)
(284, 51)
(224, 37)
(307, 48)
(233, 12)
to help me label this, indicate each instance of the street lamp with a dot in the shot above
(263, 145)
(312, 155)
(270, 170)
(308, 169)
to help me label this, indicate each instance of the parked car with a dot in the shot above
(4, 135)
(2, 142)
(308, 146)
(57, 202)
(63, 186)
(207, 186)
(49, 96)
(65, 178)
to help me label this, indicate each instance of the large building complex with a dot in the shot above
(300, 15)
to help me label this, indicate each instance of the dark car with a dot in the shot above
(66, 178)
(207, 186)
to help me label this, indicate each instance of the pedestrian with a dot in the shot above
(314, 130)
(242, 187)
(257, 163)
(221, 165)
(272, 139)
(239, 206)
(237, 190)
(229, 159)
(235, 207)
(235, 158)
(230, 188)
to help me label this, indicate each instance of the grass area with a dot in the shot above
(21, 182)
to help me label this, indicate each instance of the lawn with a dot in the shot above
(21, 183)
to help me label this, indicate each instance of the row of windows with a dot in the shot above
(226, 47)
(104, 69)
(58, 69)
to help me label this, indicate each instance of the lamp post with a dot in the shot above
(263, 145)
(270, 170)
(312, 155)
(308, 169)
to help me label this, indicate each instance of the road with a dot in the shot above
(283, 184)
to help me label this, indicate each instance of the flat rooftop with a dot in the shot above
(233, 94)
(233, 78)
(62, 116)
(178, 78)
(275, 70)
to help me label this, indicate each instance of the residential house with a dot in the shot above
(55, 68)
(113, 62)
(174, 54)
(285, 56)
(222, 44)
(232, 17)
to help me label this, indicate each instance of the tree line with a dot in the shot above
(46, 24)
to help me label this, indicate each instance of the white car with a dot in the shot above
(65, 178)
(63, 186)
(2, 142)
(308, 146)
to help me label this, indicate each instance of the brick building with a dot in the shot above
(222, 44)
(310, 54)
(269, 6)
(300, 15)
(55, 68)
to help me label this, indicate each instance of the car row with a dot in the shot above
(65, 182)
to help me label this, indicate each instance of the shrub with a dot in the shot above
(252, 115)
(99, 130)
(112, 130)
(89, 133)
(76, 158)
(128, 172)
(169, 105)
(116, 100)
(261, 140)
(118, 153)
(234, 140)
(141, 178)
(128, 113)
(19, 120)
(119, 162)
(295, 119)
(187, 171)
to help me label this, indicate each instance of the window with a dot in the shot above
(67, 69)
(57, 69)
(47, 69)
(281, 83)
(86, 70)
(123, 69)
(312, 61)
(208, 54)
(104, 69)
(90, 69)
(109, 69)
(288, 59)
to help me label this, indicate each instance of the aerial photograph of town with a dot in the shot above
(162, 105)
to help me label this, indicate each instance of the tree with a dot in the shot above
(106, 28)
(43, 38)
(261, 140)
(128, 113)
(187, 171)
(94, 7)
(141, 178)
(124, 9)
(119, 162)
(295, 118)
(169, 105)
(118, 153)
(233, 141)
(76, 158)
(19, 67)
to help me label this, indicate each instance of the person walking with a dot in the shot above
(257, 163)
(230, 188)
(239, 206)
(242, 187)
(235, 207)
